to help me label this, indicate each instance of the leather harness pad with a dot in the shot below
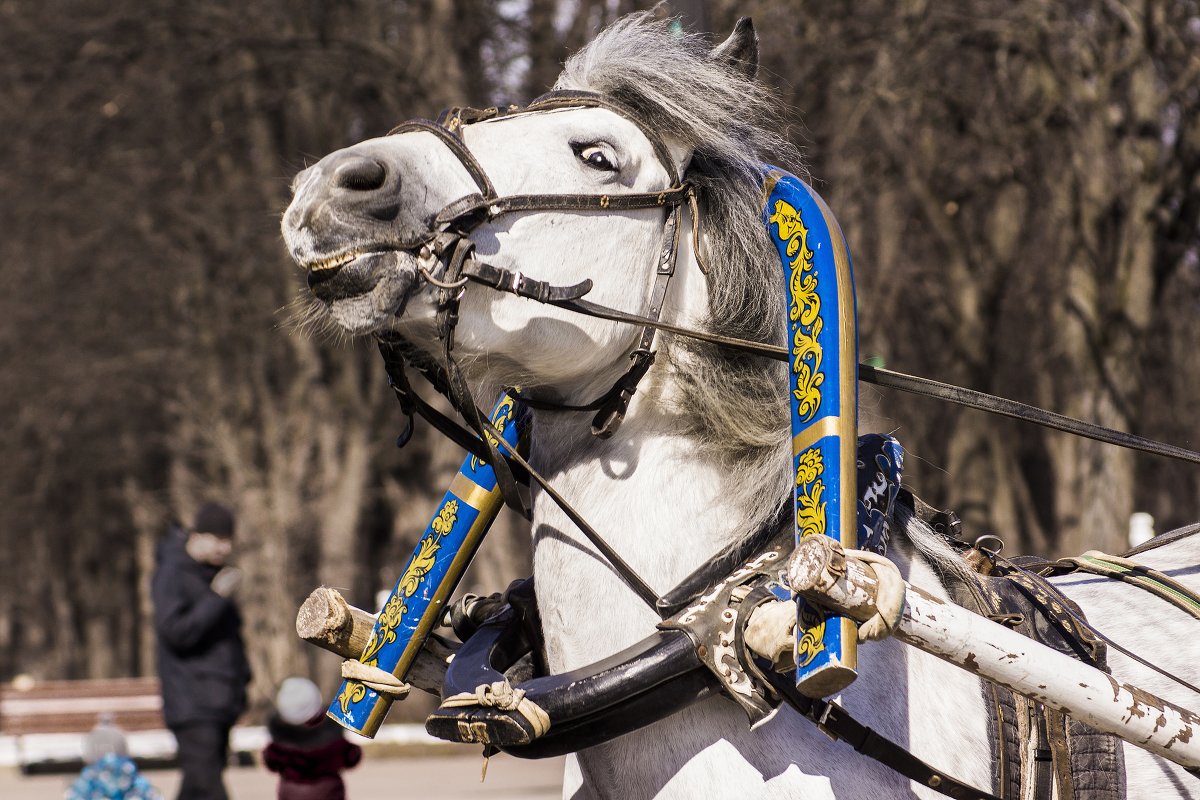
(1085, 763)
(640, 685)
(715, 619)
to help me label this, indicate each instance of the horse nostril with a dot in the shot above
(359, 174)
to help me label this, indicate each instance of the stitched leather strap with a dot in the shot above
(837, 723)
(506, 280)
(1131, 572)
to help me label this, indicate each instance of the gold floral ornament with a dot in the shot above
(418, 567)
(392, 615)
(444, 521)
(500, 418)
(812, 642)
(790, 227)
(810, 510)
(809, 378)
(804, 310)
(810, 466)
(355, 692)
(805, 306)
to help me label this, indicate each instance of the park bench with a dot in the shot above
(42, 723)
(42, 726)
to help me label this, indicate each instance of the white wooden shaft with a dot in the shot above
(1006, 657)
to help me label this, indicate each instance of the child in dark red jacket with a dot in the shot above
(307, 748)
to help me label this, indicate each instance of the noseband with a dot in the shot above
(452, 247)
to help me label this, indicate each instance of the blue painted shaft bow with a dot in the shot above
(823, 349)
(433, 571)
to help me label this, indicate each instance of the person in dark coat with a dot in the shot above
(202, 662)
(307, 748)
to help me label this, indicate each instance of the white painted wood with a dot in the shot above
(1002, 655)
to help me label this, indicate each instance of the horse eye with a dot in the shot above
(595, 156)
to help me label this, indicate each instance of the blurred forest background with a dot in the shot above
(1019, 183)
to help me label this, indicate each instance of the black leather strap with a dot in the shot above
(612, 406)
(506, 280)
(454, 142)
(1164, 539)
(631, 689)
(1011, 408)
(412, 403)
(610, 409)
(627, 201)
(838, 723)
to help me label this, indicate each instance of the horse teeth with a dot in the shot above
(333, 261)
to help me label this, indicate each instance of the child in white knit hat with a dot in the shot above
(110, 774)
(307, 749)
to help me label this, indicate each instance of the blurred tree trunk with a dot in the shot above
(182, 378)
(1020, 184)
(1010, 178)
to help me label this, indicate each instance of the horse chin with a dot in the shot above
(365, 294)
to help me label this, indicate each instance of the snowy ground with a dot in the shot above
(451, 777)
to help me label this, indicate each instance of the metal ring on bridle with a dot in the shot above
(427, 275)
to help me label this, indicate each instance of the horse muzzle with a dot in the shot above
(363, 294)
(356, 221)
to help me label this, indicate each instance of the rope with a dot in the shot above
(372, 677)
(503, 696)
(771, 629)
(889, 597)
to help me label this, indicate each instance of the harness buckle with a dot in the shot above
(515, 281)
(822, 719)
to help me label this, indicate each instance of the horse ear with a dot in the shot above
(661, 10)
(740, 50)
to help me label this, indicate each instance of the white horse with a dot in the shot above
(703, 456)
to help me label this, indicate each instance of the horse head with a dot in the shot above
(369, 224)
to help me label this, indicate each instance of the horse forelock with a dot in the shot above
(737, 404)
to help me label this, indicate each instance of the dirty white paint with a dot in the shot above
(1004, 656)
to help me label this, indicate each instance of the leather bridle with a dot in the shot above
(452, 246)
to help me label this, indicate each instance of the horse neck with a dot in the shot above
(651, 494)
(651, 491)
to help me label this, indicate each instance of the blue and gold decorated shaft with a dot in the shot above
(823, 345)
(433, 571)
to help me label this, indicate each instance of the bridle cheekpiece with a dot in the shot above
(450, 244)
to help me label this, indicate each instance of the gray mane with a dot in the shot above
(737, 404)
